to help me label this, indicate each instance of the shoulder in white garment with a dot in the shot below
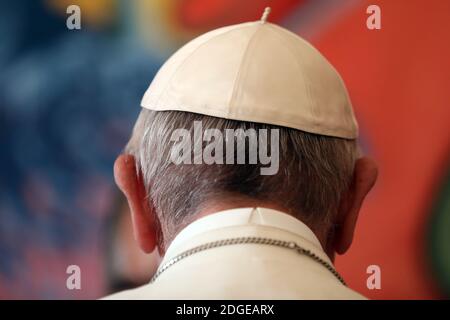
(244, 271)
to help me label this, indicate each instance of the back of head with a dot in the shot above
(309, 172)
(250, 111)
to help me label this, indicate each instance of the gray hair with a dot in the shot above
(315, 171)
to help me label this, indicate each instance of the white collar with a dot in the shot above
(244, 216)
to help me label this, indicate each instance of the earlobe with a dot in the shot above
(364, 177)
(143, 217)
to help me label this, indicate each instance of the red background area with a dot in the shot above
(399, 81)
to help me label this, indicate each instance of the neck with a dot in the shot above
(228, 203)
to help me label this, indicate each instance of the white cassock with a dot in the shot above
(244, 270)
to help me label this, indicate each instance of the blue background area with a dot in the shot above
(68, 100)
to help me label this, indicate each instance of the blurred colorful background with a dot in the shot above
(69, 98)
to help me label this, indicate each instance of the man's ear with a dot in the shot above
(130, 182)
(364, 176)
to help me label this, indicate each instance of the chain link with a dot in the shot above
(248, 240)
